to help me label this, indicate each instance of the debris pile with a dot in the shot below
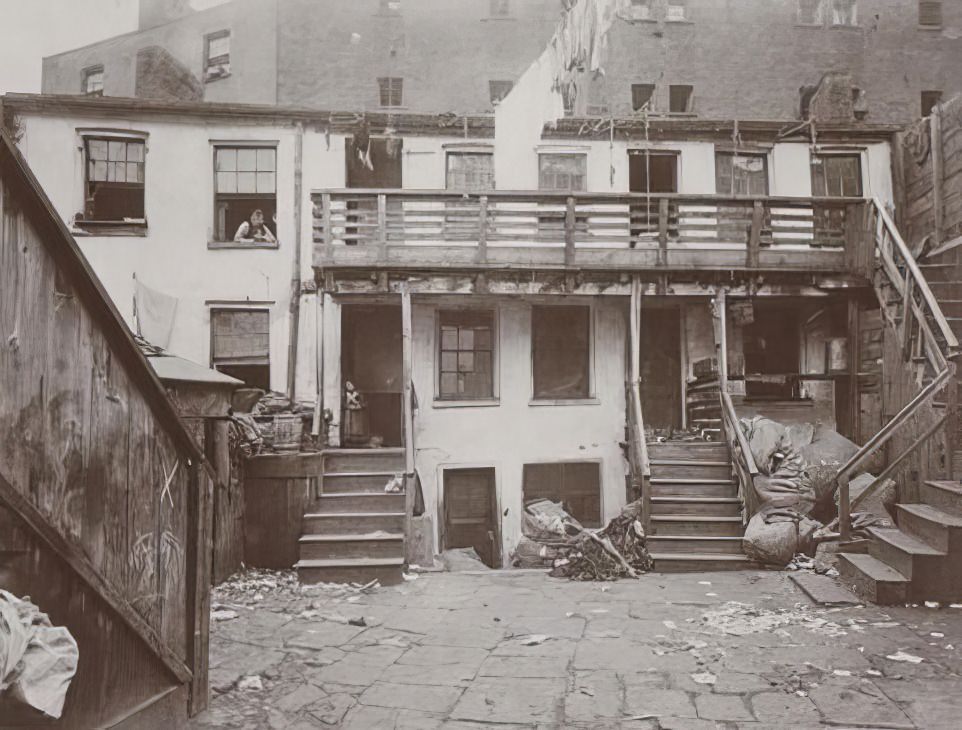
(552, 538)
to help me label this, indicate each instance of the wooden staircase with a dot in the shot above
(354, 531)
(696, 513)
(919, 560)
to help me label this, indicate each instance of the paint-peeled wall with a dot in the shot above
(513, 430)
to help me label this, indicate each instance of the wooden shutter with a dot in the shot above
(930, 12)
(240, 336)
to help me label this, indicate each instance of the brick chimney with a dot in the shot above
(158, 12)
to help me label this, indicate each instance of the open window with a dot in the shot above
(930, 100)
(240, 345)
(114, 181)
(681, 98)
(470, 171)
(92, 81)
(217, 55)
(577, 485)
(837, 175)
(465, 354)
(245, 184)
(740, 173)
(561, 352)
(641, 96)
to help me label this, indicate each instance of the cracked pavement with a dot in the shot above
(517, 649)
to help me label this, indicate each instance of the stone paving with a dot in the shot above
(517, 649)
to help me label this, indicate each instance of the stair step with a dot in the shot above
(348, 523)
(364, 545)
(360, 502)
(932, 526)
(689, 450)
(696, 526)
(871, 579)
(359, 481)
(694, 490)
(690, 480)
(345, 461)
(945, 496)
(691, 469)
(694, 562)
(355, 570)
(903, 552)
(694, 545)
(706, 506)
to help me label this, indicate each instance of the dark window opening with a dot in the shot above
(651, 171)
(240, 344)
(930, 99)
(641, 96)
(837, 176)
(217, 55)
(577, 485)
(391, 90)
(466, 355)
(680, 98)
(560, 343)
(772, 348)
(470, 171)
(741, 174)
(114, 179)
(245, 182)
(499, 89)
(93, 81)
(930, 13)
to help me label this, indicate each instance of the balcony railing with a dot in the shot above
(437, 228)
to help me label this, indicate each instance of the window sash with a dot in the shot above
(391, 90)
(930, 13)
(563, 171)
(470, 171)
(561, 351)
(741, 174)
(844, 12)
(836, 176)
(245, 170)
(466, 355)
(93, 80)
(240, 336)
(680, 98)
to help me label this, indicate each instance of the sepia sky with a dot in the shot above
(33, 29)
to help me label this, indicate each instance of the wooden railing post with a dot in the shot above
(483, 230)
(755, 235)
(326, 218)
(721, 338)
(663, 232)
(908, 315)
(570, 231)
(407, 388)
(381, 236)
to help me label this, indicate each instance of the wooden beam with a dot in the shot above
(407, 390)
(938, 175)
(200, 555)
(318, 365)
(755, 235)
(483, 230)
(721, 338)
(570, 222)
(854, 358)
(663, 232)
(78, 562)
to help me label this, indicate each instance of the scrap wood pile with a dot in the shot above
(553, 538)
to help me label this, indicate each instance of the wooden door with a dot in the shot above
(470, 513)
(661, 367)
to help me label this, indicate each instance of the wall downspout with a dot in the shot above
(295, 306)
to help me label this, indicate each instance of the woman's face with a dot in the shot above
(257, 219)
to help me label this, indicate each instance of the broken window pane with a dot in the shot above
(741, 174)
(641, 96)
(465, 355)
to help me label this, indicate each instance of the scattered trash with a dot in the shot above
(533, 639)
(842, 673)
(587, 691)
(409, 576)
(711, 595)
(462, 559)
(395, 485)
(670, 625)
(933, 604)
(250, 683)
(704, 678)
(901, 656)
(873, 672)
(937, 634)
(741, 619)
(223, 614)
(357, 621)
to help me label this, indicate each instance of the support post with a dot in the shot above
(483, 230)
(570, 231)
(721, 338)
(755, 235)
(663, 232)
(408, 411)
(382, 226)
(854, 359)
(908, 315)
(844, 509)
(952, 424)
(938, 174)
(319, 366)
(326, 218)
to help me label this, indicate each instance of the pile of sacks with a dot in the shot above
(797, 466)
(554, 539)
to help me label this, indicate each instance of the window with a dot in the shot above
(240, 345)
(245, 182)
(390, 7)
(466, 355)
(391, 89)
(844, 12)
(930, 13)
(500, 8)
(560, 337)
(93, 81)
(641, 96)
(676, 11)
(741, 174)
(837, 176)
(930, 99)
(115, 179)
(577, 485)
(810, 12)
(217, 55)
(680, 98)
(563, 171)
(470, 171)
(640, 9)
(569, 95)
(499, 89)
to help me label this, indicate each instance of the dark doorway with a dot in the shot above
(470, 513)
(650, 172)
(772, 347)
(661, 367)
(376, 164)
(371, 362)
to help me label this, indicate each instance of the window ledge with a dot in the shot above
(479, 403)
(242, 245)
(498, 19)
(931, 27)
(834, 26)
(564, 402)
(109, 228)
(680, 21)
(212, 79)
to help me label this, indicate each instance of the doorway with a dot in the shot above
(650, 171)
(470, 513)
(661, 397)
(371, 361)
(374, 163)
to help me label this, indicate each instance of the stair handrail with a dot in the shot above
(939, 357)
(743, 461)
(638, 458)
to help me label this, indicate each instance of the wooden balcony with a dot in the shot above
(443, 230)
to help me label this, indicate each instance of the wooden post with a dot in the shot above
(721, 338)
(326, 218)
(635, 334)
(844, 509)
(854, 360)
(407, 355)
(663, 232)
(483, 230)
(200, 555)
(952, 424)
(938, 174)
(908, 315)
(382, 226)
(755, 235)
(570, 231)
(319, 366)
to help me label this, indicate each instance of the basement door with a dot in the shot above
(470, 513)
(661, 367)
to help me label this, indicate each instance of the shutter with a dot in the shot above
(241, 335)
(930, 12)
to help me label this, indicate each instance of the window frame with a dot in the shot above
(684, 17)
(85, 76)
(542, 154)
(215, 62)
(454, 401)
(221, 307)
(386, 90)
(847, 154)
(937, 7)
(598, 463)
(651, 97)
(130, 225)
(691, 98)
(449, 153)
(227, 241)
(589, 398)
(766, 159)
(499, 9)
(641, 11)
(832, 17)
(922, 98)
